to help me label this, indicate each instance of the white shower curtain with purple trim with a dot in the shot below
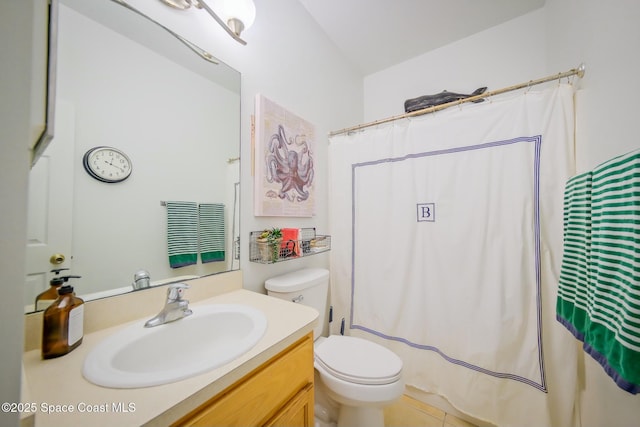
(446, 246)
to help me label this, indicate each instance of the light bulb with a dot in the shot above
(238, 10)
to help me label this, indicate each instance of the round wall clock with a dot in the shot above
(107, 164)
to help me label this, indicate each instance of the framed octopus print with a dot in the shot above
(284, 156)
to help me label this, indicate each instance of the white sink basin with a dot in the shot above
(141, 357)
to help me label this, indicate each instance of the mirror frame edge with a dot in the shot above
(51, 74)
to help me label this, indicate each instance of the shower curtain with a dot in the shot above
(446, 248)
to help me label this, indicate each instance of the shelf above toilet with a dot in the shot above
(306, 244)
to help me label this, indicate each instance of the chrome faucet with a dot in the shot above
(175, 307)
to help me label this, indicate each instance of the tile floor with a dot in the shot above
(409, 412)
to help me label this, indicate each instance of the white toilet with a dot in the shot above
(358, 376)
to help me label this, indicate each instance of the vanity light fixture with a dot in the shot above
(234, 16)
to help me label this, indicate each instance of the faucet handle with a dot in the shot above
(175, 291)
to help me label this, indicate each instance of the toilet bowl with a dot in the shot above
(359, 375)
(356, 376)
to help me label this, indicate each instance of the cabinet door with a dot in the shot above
(298, 412)
(261, 395)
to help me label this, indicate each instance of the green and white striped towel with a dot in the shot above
(607, 318)
(182, 233)
(574, 272)
(615, 268)
(212, 232)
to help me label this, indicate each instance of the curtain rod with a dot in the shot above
(575, 71)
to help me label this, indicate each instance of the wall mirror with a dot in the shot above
(124, 81)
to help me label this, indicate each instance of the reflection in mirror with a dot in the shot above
(125, 82)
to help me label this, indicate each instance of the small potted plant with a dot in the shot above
(269, 242)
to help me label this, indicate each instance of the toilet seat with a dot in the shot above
(358, 361)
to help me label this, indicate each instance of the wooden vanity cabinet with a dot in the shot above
(278, 393)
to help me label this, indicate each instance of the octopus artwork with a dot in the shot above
(289, 163)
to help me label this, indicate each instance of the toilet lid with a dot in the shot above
(358, 361)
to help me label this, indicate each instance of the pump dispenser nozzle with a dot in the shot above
(66, 287)
(62, 280)
(44, 299)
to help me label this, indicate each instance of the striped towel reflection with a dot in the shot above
(212, 232)
(182, 233)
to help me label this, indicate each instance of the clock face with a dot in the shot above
(107, 164)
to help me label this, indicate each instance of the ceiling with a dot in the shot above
(376, 34)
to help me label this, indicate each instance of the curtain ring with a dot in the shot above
(528, 87)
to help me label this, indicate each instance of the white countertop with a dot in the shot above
(60, 396)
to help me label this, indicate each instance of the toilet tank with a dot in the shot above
(308, 286)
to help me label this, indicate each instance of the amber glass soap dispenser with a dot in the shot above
(45, 299)
(63, 322)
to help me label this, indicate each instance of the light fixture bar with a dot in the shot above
(205, 6)
(178, 4)
(195, 48)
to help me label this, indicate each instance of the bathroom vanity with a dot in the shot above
(271, 384)
(290, 373)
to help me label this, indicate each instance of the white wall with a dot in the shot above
(288, 59)
(291, 62)
(606, 36)
(565, 33)
(495, 58)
